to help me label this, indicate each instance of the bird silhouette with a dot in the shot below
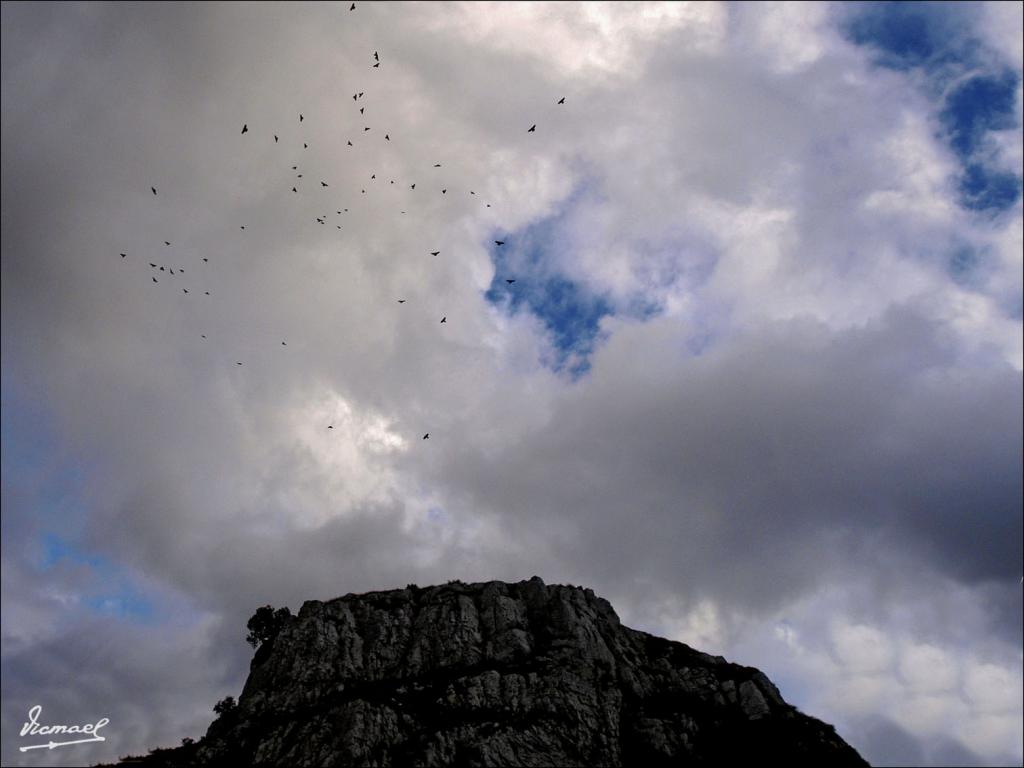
(350, 143)
(172, 270)
(294, 189)
(386, 137)
(437, 165)
(330, 426)
(562, 100)
(426, 436)
(166, 243)
(376, 65)
(207, 293)
(185, 290)
(444, 319)
(353, 7)
(365, 130)
(283, 344)
(203, 335)
(152, 265)
(375, 56)
(509, 281)
(401, 301)
(434, 253)
(154, 280)
(531, 129)
(161, 269)
(444, 191)
(323, 183)
(154, 190)
(238, 363)
(275, 138)
(413, 187)
(300, 117)
(123, 255)
(305, 146)
(239, 228)
(361, 110)
(295, 167)
(204, 259)
(245, 129)
(499, 242)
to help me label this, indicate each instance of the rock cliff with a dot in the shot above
(498, 674)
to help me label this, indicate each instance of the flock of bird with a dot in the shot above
(168, 270)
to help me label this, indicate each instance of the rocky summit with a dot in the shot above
(497, 674)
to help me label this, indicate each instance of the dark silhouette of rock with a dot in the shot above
(497, 674)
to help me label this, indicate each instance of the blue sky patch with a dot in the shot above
(570, 312)
(972, 97)
(116, 596)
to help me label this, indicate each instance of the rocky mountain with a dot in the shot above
(497, 674)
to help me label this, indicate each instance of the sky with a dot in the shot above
(758, 381)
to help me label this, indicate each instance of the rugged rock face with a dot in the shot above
(498, 674)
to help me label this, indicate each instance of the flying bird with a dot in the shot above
(499, 242)
(185, 290)
(154, 280)
(388, 138)
(426, 436)
(323, 183)
(295, 167)
(330, 426)
(294, 189)
(166, 243)
(401, 301)
(238, 363)
(444, 191)
(239, 228)
(532, 128)
(353, 7)
(413, 187)
(154, 190)
(437, 165)
(305, 146)
(161, 269)
(207, 293)
(562, 100)
(204, 259)
(434, 253)
(361, 110)
(275, 138)
(283, 344)
(350, 143)
(507, 280)
(375, 56)
(203, 335)
(123, 255)
(152, 265)
(377, 64)
(444, 319)
(245, 128)
(365, 129)
(300, 117)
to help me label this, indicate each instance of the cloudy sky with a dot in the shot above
(757, 382)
